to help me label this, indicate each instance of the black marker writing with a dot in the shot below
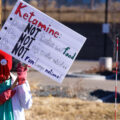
(25, 40)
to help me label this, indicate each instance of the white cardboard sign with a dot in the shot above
(40, 41)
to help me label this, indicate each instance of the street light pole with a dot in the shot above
(106, 11)
(105, 34)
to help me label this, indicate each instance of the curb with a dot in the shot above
(87, 76)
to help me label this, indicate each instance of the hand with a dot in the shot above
(6, 95)
(21, 73)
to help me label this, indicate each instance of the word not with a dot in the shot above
(50, 72)
(67, 54)
(30, 17)
(29, 60)
(25, 40)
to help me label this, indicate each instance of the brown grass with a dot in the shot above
(52, 108)
(56, 108)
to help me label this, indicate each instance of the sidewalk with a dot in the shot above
(77, 66)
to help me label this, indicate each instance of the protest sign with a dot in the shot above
(40, 41)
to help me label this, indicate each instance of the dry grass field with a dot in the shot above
(52, 108)
(56, 108)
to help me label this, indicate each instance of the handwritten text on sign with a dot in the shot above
(40, 41)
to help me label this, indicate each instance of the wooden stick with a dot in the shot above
(14, 84)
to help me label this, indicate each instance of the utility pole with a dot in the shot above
(106, 26)
(0, 14)
(106, 11)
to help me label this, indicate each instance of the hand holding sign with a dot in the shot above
(21, 73)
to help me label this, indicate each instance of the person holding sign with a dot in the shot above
(15, 93)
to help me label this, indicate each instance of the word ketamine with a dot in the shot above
(25, 40)
(31, 18)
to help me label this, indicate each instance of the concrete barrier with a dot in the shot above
(105, 63)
